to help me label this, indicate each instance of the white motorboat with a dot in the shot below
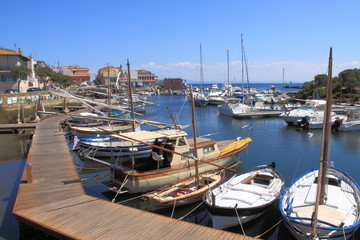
(351, 122)
(311, 108)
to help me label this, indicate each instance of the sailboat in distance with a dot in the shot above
(323, 203)
(199, 97)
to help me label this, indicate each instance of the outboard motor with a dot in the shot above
(337, 124)
(304, 122)
(273, 165)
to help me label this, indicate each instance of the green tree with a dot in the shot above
(60, 78)
(345, 85)
(320, 80)
(43, 72)
(20, 72)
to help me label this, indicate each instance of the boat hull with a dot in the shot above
(334, 222)
(241, 199)
(350, 126)
(184, 191)
(135, 183)
(222, 221)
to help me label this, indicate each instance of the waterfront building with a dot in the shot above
(137, 77)
(174, 83)
(77, 74)
(10, 58)
(108, 72)
(146, 77)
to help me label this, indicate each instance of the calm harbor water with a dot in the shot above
(13, 151)
(294, 150)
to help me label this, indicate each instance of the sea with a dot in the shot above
(294, 150)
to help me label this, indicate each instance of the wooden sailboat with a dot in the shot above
(187, 190)
(322, 203)
(172, 159)
(184, 191)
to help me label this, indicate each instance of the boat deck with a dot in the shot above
(51, 198)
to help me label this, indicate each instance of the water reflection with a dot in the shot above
(13, 146)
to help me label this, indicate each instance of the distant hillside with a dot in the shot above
(346, 86)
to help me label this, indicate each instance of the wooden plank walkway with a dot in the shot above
(55, 201)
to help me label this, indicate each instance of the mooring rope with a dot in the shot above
(269, 229)
(130, 199)
(237, 214)
(122, 185)
(190, 211)
(173, 210)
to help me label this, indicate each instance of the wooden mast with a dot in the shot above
(109, 92)
(325, 150)
(201, 71)
(130, 96)
(197, 180)
(242, 69)
(228, 69)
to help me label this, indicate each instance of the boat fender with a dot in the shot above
(238, 138)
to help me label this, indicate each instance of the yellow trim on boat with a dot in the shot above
(235, 146)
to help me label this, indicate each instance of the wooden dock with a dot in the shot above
(17, 126)
(51, 198)
(261, 114)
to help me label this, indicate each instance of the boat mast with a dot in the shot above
(283, 76)
(109, 92)
(130, 95)
(228, 69)
(201, 70)
(197, 180)
(242, 67)
(325, 150)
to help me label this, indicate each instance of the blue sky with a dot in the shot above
(164, 36)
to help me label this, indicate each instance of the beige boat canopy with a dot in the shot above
(144, 135)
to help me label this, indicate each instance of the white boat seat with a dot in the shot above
(249, 200)
(326, 214)
(157, 157)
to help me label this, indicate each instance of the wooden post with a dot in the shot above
(28, 168)
(65, 107)
(22, 113)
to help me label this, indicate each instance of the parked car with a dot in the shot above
(11, 91)
(33, 89)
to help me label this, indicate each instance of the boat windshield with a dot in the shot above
(306, 108)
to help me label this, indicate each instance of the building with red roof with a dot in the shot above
(10, 58)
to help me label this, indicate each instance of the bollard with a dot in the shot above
(28, 168)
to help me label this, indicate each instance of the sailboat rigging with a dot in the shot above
(199, 97)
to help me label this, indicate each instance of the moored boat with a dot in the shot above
(338, 217)
(244, 196)
(311, 109)
(183, 192)
(165, 166)
(115, 146)
(93, 131)
(323, 203)
(351, 122)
